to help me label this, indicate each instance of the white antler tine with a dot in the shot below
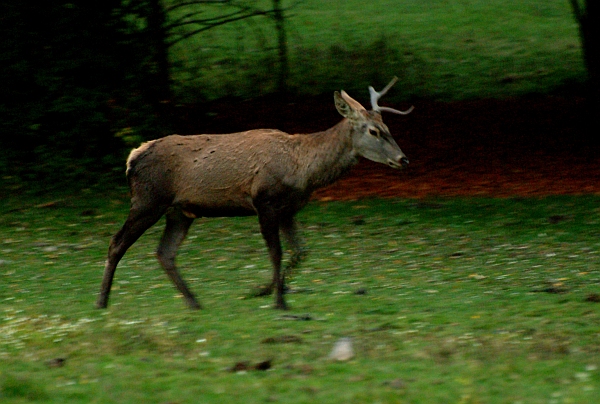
(396, 111)
(390, 84)
(375, 96)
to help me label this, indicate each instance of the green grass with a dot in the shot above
(440, 49)
(467, 301)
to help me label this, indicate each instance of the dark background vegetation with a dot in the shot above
(82, 81)
(73, 74)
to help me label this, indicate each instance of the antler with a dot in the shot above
(375, 96)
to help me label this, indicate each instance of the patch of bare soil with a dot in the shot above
(532, 146)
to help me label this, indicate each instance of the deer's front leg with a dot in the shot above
(290, 233)
(269, 228)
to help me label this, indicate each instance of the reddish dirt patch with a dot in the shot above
(533, 146)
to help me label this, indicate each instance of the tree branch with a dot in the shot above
(244, 12)
(181, 21)
(194, 3)
(216, 24)
(182, 18)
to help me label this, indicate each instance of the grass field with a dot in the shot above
(440, 49)
(446, 301)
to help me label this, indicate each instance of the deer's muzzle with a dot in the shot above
(401, 162)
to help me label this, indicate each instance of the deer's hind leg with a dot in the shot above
(176, 229)
(136, 224)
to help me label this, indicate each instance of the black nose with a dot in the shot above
(404, 161)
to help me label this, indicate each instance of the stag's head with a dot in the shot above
(371, 137)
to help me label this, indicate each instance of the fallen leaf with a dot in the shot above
(303, 317)
(240, 367)
(593, 298)
(397, 384)
(56, 363)
(264, 365)
(558, 218)
(282, 339)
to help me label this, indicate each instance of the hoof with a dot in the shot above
(281, 306)
(193, 305)
(101, 303)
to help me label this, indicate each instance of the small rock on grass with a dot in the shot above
(342, 350)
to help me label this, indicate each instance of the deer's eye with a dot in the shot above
(374, 132)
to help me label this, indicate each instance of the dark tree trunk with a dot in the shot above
(159, 89)
(158, 36)
(278, 15)
(589, 31)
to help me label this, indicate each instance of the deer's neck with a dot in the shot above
(327, 155)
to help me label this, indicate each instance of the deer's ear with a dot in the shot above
(347, 106)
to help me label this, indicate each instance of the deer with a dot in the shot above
(263, 172)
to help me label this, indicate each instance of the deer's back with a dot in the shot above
(222, 174)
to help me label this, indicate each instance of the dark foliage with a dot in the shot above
(76, 86)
